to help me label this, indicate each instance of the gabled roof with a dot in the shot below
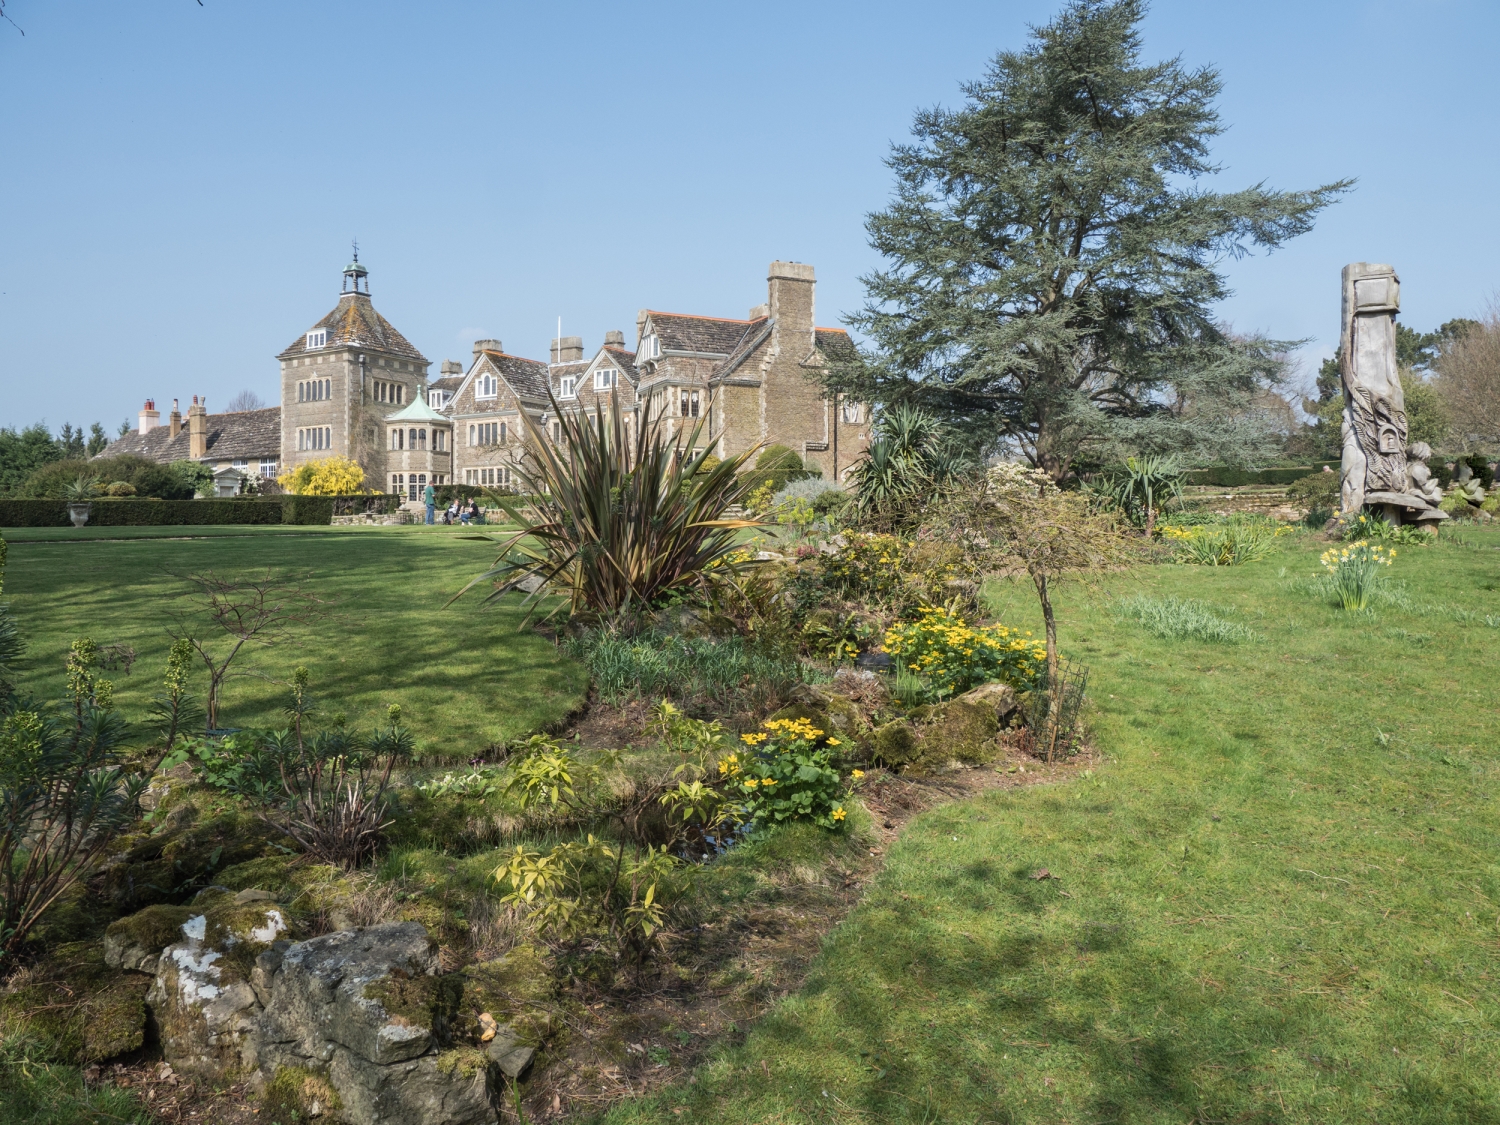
(759, 333)
(836, 345)
(712, 335)
(356, 322)
(245, 434)
(559, 371)
(624, 360)
(527, 377)
(449, 383)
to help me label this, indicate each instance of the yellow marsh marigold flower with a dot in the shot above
(857, 774)
(838, 814)
(752, 739)
(834, 742)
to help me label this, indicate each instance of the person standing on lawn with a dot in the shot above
(429, 497)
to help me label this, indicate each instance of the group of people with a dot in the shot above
(464, 513)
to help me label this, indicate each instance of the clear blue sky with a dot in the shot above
(180, 183)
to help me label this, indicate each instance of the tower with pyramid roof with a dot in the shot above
(341, 380)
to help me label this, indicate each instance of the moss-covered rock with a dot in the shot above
(896, 744)
(185, 850)
(202, 998)
(136, 941)
(958, 730)
(82, 1008)
(517, 990)
(295, 1094)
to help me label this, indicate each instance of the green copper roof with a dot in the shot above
(416, 411)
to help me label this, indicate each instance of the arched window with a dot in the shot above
(472, 441)
(411, 438)
(503, 434)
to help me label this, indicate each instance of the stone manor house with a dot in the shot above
(352, 385)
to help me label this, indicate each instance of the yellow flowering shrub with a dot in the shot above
(328, 476)
(954, 656)
(785, 773)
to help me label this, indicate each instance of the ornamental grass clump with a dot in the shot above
(785, 773)
(1235, 542)
(1355, 571)
(954, 656)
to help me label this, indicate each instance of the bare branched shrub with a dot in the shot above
(238, 612)
(1469, 382)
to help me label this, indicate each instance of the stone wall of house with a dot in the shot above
(357, 421)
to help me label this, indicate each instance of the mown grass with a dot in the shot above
(464, 675)
(1276, 898)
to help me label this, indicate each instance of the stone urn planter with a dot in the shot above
(79, 512)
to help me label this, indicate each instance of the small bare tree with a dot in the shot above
(1469, 383)
(241, 611)
(245, 400)
(1015, 520)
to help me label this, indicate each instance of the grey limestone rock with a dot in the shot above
(359, 1007)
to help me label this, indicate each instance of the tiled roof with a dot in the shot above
(526, 377)
(356, 322)
(836, 345)
(714, 335)
(449, 383)
(247, 434)
(625, 361)
(558, 370)
(758, 332)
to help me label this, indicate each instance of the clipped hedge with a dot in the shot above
(307, 510)
(1224, 476)
(132, 512)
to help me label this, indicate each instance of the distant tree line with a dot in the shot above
(36, 463)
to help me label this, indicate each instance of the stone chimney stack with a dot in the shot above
(614, 338)
(791, 287)
(150, 417)
(198, 429)
(640, 322)
(567, 349)
(175, 420)
(486, 346)
(451, 367)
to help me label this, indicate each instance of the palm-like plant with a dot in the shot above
(909, 456)
(613, 518)
(1141, 486)
(84, 488)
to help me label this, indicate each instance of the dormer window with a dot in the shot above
(317, 338)
(568, 387)
(651, 347)
(487, 386)
(605, 378)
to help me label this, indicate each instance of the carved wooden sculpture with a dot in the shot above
(1374, 466)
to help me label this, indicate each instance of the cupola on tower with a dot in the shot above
(342, 378)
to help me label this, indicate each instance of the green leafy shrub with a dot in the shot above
(66, 793)
(775, 467)
(1177, 619)
(1225, 476)
(895, 573)
(911, 454)
(1316, 490)
(136, 512)
(785, 774)
(953, 656)
(1375, 527)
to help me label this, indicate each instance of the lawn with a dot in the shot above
(465, 676)
(1275, 898)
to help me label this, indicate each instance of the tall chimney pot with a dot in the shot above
(486, 346)
(567, 349)
(150, 417)
(198, 429)
(174, 420)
